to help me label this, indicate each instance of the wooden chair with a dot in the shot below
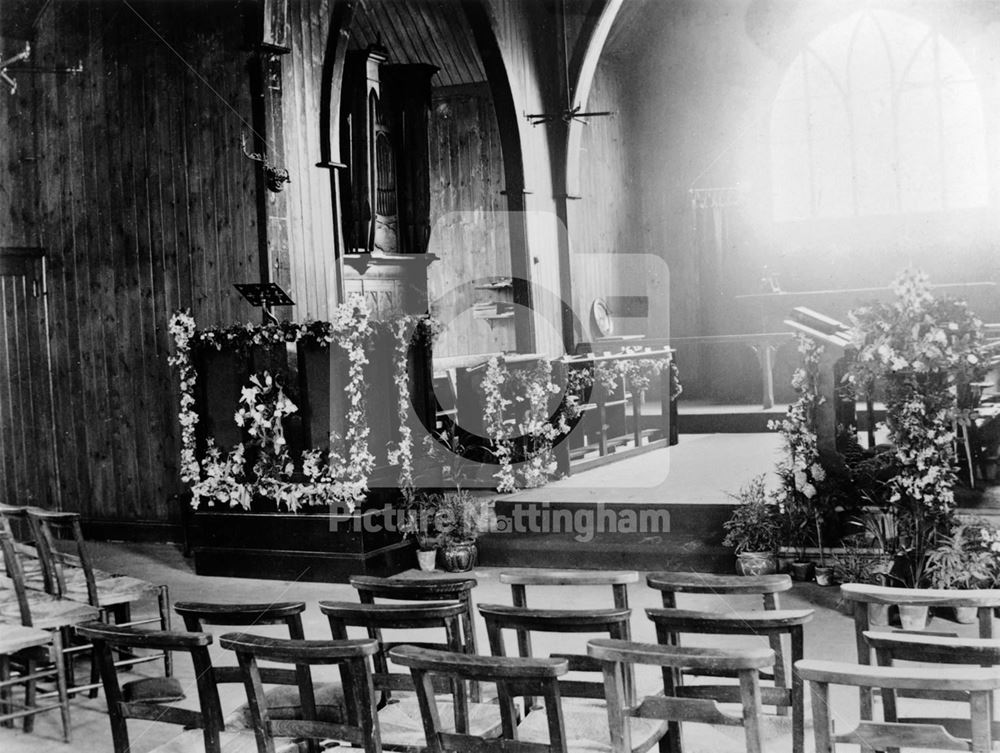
(870, 735)
(20, 605)
(861, 595)
(149, 698)
(450, 588)
(767, 587)
(890, 648)
(400, 720)
(513, 677)
(112, 594)
(519, 580)
(282, 700)
(39, 653)
(617, 658)
(361, 727)
(14, 520)
(671, 624)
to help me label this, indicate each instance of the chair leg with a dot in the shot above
(30, 694)
(163, 602)
(61, 689)
(5, 706)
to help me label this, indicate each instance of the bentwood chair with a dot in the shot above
(38, 654)
(978, 683)
(891, 648)
(283, 700)
(399, 719)
(771, 625)
(455, 588)
(352, 657)
(513, 677)
(625, 716)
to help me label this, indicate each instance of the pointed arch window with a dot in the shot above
(879, 114)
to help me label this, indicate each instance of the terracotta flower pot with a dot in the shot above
(459, 556)
(756, 563)
(427, 559)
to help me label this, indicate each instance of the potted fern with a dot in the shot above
(462, 517)
(754, 529)
(960, 561)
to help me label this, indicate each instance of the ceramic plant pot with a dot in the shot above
(756, 563)
(912, 617)
(966, 615)
(824, 576)
(459, 556)
(803, 571)
(427, 559)
(878, 615)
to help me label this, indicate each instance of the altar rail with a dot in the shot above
(611, 422)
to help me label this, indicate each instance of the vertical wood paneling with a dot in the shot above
(145, 204)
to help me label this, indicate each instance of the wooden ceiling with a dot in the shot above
(421, 31)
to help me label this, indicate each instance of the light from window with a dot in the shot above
(879, 114)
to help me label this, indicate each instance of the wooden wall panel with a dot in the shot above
(468, 220)
(145, 206)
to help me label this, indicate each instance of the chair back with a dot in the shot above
(513, 677)
(978, 683)
(863, 594)
(458, 588)
(50, 526)
(907, 647)
(198, 615)
(611, 622)
(617, 657)
(374, 618)
(352, 658)
(15, 578)
(669, 584)
(148, 697)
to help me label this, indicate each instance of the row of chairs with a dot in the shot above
(361, 709)
(50, 587)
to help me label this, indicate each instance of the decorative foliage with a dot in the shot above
(224, 479)
(754, 525)
(965, 558)
(922, 352)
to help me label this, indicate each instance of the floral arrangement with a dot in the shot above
(530, 389)
(922, 352)
(220, 478)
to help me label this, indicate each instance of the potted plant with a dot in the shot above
(461, 517)
(859, 563)
(797, 533)
(961, 561)
(420, 524)
(754, 529)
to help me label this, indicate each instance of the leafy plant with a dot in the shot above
(858, 563)
(755, 525)
(797, 526)
(461, 516)
(960, 561)
(420, 521)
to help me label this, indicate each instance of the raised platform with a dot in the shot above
(660, 510)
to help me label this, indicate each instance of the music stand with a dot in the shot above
(265, 295)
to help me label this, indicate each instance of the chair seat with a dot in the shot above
(111, 590)
(400, 724)
(587, 729)
(48, 612)
(283, 703)
(18, 638)
(193, 741)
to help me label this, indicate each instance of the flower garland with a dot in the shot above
(800, 471)
(404, 329)
(496, 424)
(217, 478)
